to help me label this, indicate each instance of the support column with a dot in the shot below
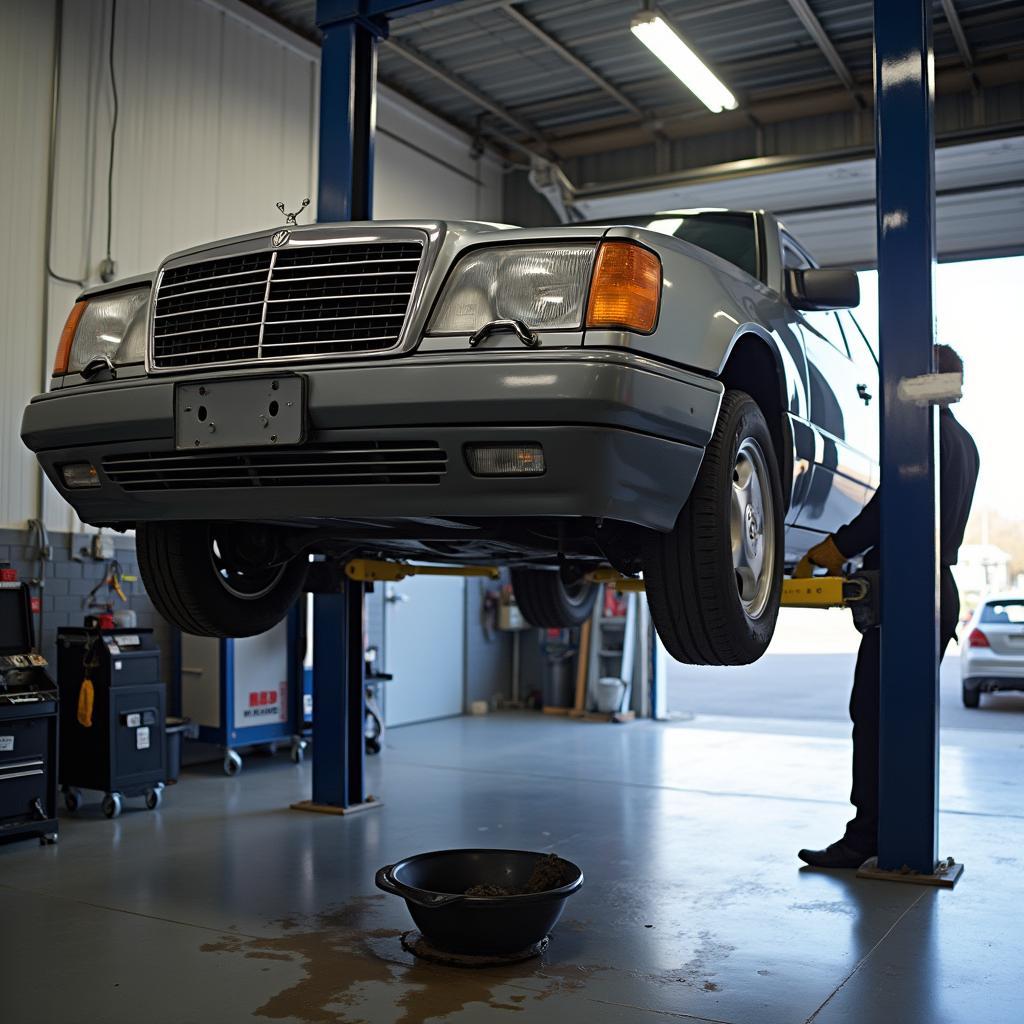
(339, 689)
(348, 111)
(905, 161)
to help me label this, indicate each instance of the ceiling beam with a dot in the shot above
(809, 98)
(460, 85)
(817, 32)
(570, 58)
(957, 28)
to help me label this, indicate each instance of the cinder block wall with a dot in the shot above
(67, 584)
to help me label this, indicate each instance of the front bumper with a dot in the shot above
(623, 438)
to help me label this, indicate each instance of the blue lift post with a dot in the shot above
(348, 101)
(905, 163)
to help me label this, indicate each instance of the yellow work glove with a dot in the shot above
(86, 698)
(824, 556)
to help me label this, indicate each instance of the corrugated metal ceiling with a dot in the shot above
(760, 48)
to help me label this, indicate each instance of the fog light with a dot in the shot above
(505, 459)
(79, 474)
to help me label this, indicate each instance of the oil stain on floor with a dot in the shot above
(355, 972)
(348, 965)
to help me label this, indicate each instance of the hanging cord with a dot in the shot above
(108, 268)
(58, 33)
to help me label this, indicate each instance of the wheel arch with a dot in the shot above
(753, 366)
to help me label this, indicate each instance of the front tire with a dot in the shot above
(194, 587)
(714, 582)
(547, 601)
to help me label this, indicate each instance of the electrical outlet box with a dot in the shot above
(102, 547)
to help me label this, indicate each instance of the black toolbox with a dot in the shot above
(122, 752)
(28, 725)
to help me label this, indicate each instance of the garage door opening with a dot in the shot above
(806, 675)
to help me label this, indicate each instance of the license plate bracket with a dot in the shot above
(244, 412)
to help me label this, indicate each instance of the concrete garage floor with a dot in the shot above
(224, 904)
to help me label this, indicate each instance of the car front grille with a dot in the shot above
(361, 463)
(300, 302)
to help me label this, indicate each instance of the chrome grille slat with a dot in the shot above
(207, 309)
(334, 319)
(205, 330)
(348, 263)
(360, 463)
(316, 301)
(336, 277)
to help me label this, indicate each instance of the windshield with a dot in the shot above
(1006, 612)
(728, 234)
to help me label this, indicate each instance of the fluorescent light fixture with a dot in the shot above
(665, 43)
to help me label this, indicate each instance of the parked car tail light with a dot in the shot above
(505, 459)
(626, 288)
(977, 639)
(67, 336)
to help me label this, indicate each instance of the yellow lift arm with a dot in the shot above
(815, 592)
(366, 570)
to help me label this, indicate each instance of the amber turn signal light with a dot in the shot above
(67, 337)
(625, 289)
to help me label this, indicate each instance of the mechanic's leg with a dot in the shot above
(862, 829)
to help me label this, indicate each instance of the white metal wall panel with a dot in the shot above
(217, 122)
(26, 32)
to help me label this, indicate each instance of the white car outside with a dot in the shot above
(992, 656)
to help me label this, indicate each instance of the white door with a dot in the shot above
(424, 637)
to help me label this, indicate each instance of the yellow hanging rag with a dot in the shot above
(86, 695)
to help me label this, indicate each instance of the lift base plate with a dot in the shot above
(369, 804)
(946, 874)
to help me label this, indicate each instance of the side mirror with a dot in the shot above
(822, 289)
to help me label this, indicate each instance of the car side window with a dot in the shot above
(792, 257)
(827, 325)
(857, 338)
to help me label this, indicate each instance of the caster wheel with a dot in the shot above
(50, 839)
(373, 746)
(154, 797)
(112, 805)
(72, 800)
(298, 753)
(232, 763)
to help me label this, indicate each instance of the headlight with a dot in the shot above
(112, 325)
(543, 286)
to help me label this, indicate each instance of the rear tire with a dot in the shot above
(714, 582)
(547, 601)
(192, 587)
(971, 695)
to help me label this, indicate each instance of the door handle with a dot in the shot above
(864, 394)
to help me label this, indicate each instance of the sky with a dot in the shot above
(975, 305)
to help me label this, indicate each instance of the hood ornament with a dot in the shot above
(289, 218)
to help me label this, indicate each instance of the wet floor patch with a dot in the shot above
(355, 972)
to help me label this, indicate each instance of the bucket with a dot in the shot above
(174, 728)
(609, 694)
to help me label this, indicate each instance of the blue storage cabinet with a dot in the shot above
(237, 692)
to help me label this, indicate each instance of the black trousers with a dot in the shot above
(862, 829)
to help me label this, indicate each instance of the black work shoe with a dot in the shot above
(838, 855)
